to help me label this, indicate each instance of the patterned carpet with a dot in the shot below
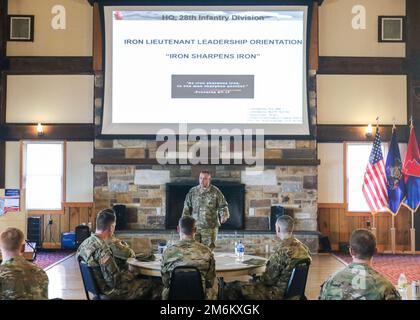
(47, 258)
(391, 266)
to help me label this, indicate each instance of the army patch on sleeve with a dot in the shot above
(105, 258)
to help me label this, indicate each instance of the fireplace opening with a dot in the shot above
(233, 192)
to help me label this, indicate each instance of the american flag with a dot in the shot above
(374, 183)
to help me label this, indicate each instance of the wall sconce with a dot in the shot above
(368, 131)
(40, 130)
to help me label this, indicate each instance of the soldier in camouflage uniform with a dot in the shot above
(358, 281)
(273, 282)
(19, 279)
(206, 204)
(188, 252)
(112, 282)
(121, 252)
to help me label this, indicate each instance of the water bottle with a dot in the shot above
(402, 286)
(161, 247)
(240, 251)
(415, 286)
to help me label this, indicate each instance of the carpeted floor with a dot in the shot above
(391, 265)
(47, 258)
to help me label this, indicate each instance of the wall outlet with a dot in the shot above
(158, 211)
(251, 212)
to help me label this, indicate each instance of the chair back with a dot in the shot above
(89, 281)
(297, 282)
(186, 284)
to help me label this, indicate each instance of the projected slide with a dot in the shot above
(208, 67)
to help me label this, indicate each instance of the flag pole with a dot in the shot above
(374, 225)
(393, 235)
(413, 234)
(412, 229)
(373, 214)
(393, 242)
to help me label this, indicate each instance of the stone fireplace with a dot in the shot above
(146, 199)
(234, 194)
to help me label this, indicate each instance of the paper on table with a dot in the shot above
(220, 255)
(255, 262)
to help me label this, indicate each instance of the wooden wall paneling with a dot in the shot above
(74, 218)
(84, 215)
(2, 164)
(341, 133)
(413, 58)
(383, 232)
(362, 65)
(65, 220)
(50, 65)
(335, 227)
(314, 39)
(3, 31)
(55, 131)
(413, 31)
(324, 221)
(344, 227)
(403, 225)
(92, 217)
(97, 39)
(334, 223)
(51, 234)
(3, 43)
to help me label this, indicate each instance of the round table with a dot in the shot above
(226, 266)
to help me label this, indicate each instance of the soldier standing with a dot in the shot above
(358, 281)
(207, 205)
(273, 282)
(19, 279)
(188, 252)
(112, 282)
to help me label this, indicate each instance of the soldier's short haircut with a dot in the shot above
(105, 218)
(205, 172)
(286, 223)
(186, 224)
(362, 243)
(11, 239)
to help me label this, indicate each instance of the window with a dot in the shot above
(357, 157)
(43, 175)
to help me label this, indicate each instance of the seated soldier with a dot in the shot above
(112, 282)
(188, 252)
(19, 279)
(273, 282)
(358, 281)
(121, 252)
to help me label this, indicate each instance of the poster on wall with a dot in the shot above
(9, 200)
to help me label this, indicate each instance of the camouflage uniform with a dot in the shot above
(274, 280)
(206, 206)
(112, 282)
(22, 280)
(358, 282)
(190, 253)
(121, 252)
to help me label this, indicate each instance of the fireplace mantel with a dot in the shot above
(273, 162)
